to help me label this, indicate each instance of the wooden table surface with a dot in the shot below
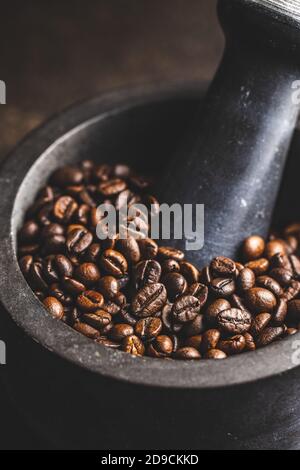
(53, 53)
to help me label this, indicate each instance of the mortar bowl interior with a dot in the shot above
(141, 126)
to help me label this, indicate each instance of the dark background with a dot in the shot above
(53, 53)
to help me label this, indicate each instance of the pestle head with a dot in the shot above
(233, 158)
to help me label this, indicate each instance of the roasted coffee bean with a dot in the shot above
(213, 310)
(205, 276)
(120, 331)
(111, 307)
(281, 275)
(92, 253)
(88, 273)
(133, 344)
(190, 272)
(63, 265)
(54, 307)
(250, 343)
(234, 321)
(165, 252)
(90, 301)
(260, 300)
(237, 302)
(194, 327)
(73, 286)
(281, 261)
(129, 248)
(108, 286)
(233, 345)
(210, 339)
(149, 300)
(123, 281)
(148, 248)
(56, 291)
(291, 331)
(253, 247)
(78, 240)
(55, 244)
(83, 213)
(147, 272)
(112, 187)
(67, 175)
(222, 287)
(222, 266)
(120, 299)
(148, 328)
(259, 266)
(86, 330)
(185, 308)
(28, 249)
(194, 342)
(99, 319)
(294, 310)
(36, 277)
(64, 209)
(280, 312)
(29, 232)
(246, 279)
(175, 284)
(270, 284)
(291, 291)
(170, 266)
(52, 229)
(268, 335)
(71, 315)
(114, 263)
(259, 323)
(274, 247)
(169, 325)
(126, 317)
(25, 264)
(162, 346)
(215, 354)
(200, 291)
(187, 353)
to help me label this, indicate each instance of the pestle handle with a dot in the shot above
(233, 158)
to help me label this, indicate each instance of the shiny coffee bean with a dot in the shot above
(162, 346)
(280, 313)
(90, 300)
(250, 343)
(78, 240)
(133, 344)
(86, 330)
(120, 331)
(148, 248)
(112, 187)
(54, 307)
(246, 279)
(29, 232)
(268, 335)
(130, 249)
(234, 345)
(259, 323)
(147, 272)
(187, 353)
(149, 300)
(67, 175)
(108, 286)
(234, 321)
(194, 327)
(215, 354)
(291, 291)
(222, 287)
(114, 263)
(185, 308)
(281, 275)
(64, 209)
(194, 342)
(88, 273)
(190, 272)
(270, 284)
(260, 300)
(175, 284)
(294, 310)
(213, 310)
(73, 286)
(200, 291)
(253, 247)
(259, 266)
(148, 328)
(210, 339)
(99, 319)
(170, 266)
(222, 267)
(165, 252)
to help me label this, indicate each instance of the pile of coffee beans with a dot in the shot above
(144, 299)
